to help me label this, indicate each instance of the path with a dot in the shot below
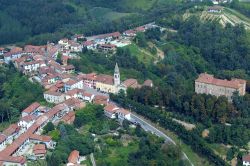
(92, 159)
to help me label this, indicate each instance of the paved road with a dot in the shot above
(92, 159)
(148, 127)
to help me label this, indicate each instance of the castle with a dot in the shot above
(208, 84)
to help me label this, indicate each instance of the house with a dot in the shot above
(110, 110)
(35, 49)
(148, 83)
(11, 160)
(39, 150)
(90, 45)
(32, 66)
(2, 51)
(101, 100)
(123, 114)
(140, 29)
(129, 33)
(107, 47)
(3, 139)
(68, 69)
(10, 56)
(76, 47)
(88, 96)
(34, 107)
(69, 118)
(131, 83)
(215, 9)
(64, 43)
(208, 84)
(74, 104)
(246, 160)
(88, 79)
(11, 132)
(74, 158)
(73, 84)
(42, 139)
(26, 121)
(54, 97)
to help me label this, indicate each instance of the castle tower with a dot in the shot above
(117, 80)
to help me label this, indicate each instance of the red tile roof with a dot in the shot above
(69, 118)
(39, 147)
(2, 138)
(28, 118)
(148, 83)
(102, 100)
(132, 83)
(31, 108)
(42, 138)
(13, 128)
(209, 79)
(106, 79)
(111, 108)
(246, 158)
(73, 157)
(75, 103)
(13, 159)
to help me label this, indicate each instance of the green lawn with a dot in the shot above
(143, 55)
(106, 14)
(118, 154)
(140, 4)
(219, 148)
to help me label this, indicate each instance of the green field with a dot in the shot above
(115, 155)
(143, 55)
(101, 13)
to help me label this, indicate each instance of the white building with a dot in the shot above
(246, 160)
(73, 84)
(110, 110)
(54, 97)
(123, 114)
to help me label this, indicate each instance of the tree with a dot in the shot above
(140, 39)
(48, 127)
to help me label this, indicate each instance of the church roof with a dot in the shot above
(116, 68)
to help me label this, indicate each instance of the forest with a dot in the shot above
(52, 20)
(16, 93)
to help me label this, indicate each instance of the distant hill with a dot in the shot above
(226, 16)
(22, 19)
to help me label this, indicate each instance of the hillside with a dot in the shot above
(227, 16)
(23, 19)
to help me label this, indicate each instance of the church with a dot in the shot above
(109, 84)
(113, 84)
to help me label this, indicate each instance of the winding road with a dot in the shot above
(148, 127)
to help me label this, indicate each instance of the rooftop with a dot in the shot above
(209, 79)
(73, 157)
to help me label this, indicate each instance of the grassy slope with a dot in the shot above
(143, 55)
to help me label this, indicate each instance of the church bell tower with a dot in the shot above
(117, 80)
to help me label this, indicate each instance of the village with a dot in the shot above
(66, 90)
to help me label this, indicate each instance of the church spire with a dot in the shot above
(117, 80)
(116, 68)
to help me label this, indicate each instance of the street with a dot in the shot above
(148, 127)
